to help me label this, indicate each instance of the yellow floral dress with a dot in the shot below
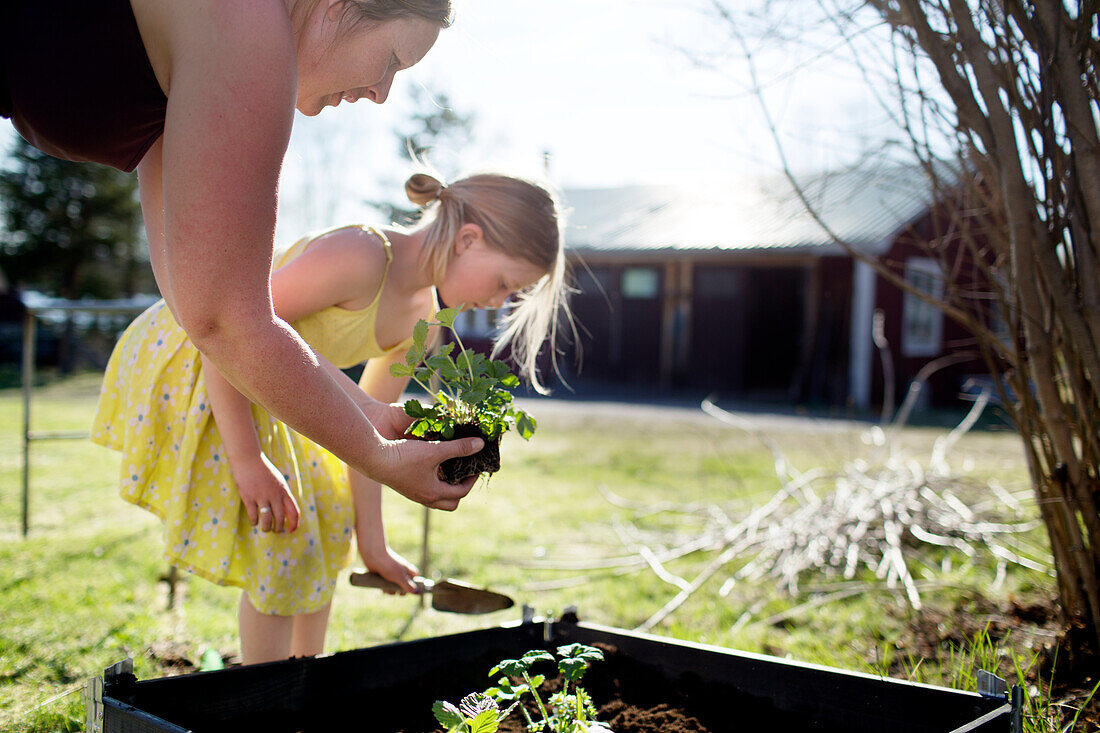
(154, 409)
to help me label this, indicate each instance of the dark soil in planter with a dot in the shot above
(624, 718)
(633, 699)
(607, 682)
(487, 460)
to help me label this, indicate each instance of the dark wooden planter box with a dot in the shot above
(391, 688)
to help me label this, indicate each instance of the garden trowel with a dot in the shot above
(447, 595)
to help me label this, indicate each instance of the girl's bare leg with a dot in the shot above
(308, 637)
(264, 637)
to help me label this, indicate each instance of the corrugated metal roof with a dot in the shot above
(864, 207)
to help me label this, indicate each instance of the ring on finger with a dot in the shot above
(265, 510)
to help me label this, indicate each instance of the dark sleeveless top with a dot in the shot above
(76, 81)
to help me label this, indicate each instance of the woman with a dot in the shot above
(200, 97)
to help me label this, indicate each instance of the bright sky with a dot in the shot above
(608, 87)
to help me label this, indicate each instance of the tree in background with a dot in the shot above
(71, 229)
(1004, 94)
(436, 130)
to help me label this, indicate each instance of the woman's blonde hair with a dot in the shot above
(519, 218)
(374, 12)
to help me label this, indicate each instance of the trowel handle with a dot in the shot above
(374, 580)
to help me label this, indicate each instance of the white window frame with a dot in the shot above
(922, 322)
(641, 283)
(476, 323)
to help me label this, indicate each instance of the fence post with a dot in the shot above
(28, 385)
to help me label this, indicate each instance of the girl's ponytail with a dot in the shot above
(520, 218)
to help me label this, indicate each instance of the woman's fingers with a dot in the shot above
(253, 512)
(458, 448)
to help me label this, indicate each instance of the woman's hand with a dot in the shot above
(265, 494)
(411, 468)
(388, 418)
(379, 558)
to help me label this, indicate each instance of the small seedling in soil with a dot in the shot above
(570, 710)
(476, 713)
(474, 399)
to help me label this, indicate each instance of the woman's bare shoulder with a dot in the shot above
(239, 37)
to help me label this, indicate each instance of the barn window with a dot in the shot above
(479, 323)
(640, 282)
(922, 324)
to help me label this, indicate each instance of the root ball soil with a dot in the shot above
(487, 460)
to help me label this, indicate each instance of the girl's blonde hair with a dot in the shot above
(519, 218)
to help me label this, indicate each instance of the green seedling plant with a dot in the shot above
(474, 390)
(475, 713)
(570, 710)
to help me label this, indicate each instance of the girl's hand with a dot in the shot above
(262, 487)
(389, 564)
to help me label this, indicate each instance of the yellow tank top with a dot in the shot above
(344, 337)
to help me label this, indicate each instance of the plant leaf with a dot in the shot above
(473, 396)
(475, 703)
(420, 338)
(447, 316)
(486, 721)
(581, 651)
(447, 714)
(525, 424)
(511, 667)
(572, 668)
(415, 409)
(450, 371)
(537, 655)
(437, 362)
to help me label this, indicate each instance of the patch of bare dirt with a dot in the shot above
(1067, 669)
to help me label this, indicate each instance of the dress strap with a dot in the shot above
(389, 261)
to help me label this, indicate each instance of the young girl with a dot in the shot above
(247, 501)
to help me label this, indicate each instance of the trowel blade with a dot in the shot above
(456, 597)
(447, 595)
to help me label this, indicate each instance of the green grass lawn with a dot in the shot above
(84, 589)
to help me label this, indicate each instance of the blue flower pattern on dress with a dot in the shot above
(174, 465)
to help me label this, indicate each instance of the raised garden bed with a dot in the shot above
(646, 683)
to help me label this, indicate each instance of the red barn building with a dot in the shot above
(738, 289)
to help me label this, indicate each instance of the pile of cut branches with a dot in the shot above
(881, 513)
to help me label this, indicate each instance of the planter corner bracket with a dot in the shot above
(93, 693)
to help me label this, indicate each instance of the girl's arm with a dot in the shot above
(335, 268)
(210, 187)
(370, 530)
(259, 482)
